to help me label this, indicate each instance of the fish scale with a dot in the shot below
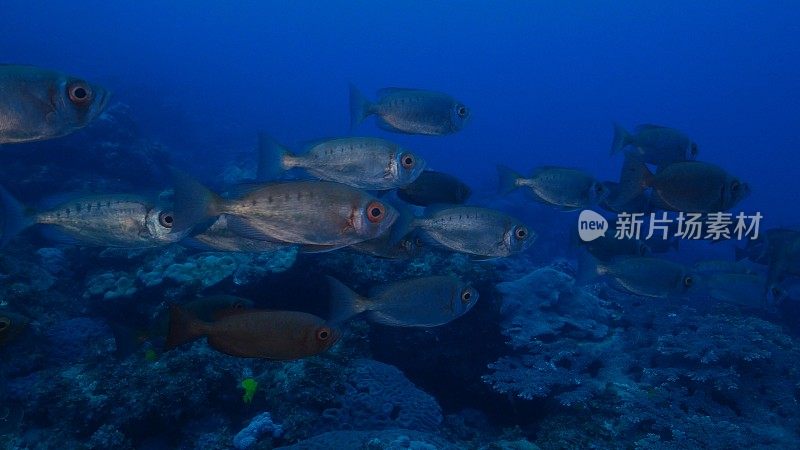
(38, 104)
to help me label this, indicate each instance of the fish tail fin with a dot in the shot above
(633, 180)
(194, 203)
(345, 303)
(14, 217)
(359, 107)
(183, 327)
(508, 179)
(621, 139)
(271, 155)
(589, 268)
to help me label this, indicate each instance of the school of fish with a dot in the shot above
(374, 196)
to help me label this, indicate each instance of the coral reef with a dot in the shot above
(260, 425)
(561, 337)
(374, 440)
(657, 374)
(379, 396)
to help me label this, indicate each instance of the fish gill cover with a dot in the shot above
(353, 225)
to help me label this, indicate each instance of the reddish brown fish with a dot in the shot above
(280, 335)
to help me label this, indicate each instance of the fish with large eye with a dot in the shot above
(407, 161)
(482, 233)
(521, 233)
(646, 276)
(412, 111)
(418, 302)
(80, 93)
(561, 187)
(38, 104)
(376, 212)
(688, 186)
(106, 220)
(462, 111)
(277, 335)
(317, 215)
(165, 219)
(468, 296)
(362, 162)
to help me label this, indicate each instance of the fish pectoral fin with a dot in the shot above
(243, 228)
(384, 125)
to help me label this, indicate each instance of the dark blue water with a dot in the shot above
(194, 82)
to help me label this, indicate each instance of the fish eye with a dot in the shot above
(238, 305)
(407, 160)
(5, 322)
(466, 296)
(323, 334)
(688, 281)
(166, 219)
(462, 111)
(521, 233)
(375, 212)
(79, 93)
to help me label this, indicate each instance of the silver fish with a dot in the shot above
(411, 111)
(112, 220)
(481, 232)
(38, 104)
(362, 162)
(420, 302)
(319, 215)
(562, 187)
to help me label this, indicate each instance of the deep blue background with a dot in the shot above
(545, 81)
